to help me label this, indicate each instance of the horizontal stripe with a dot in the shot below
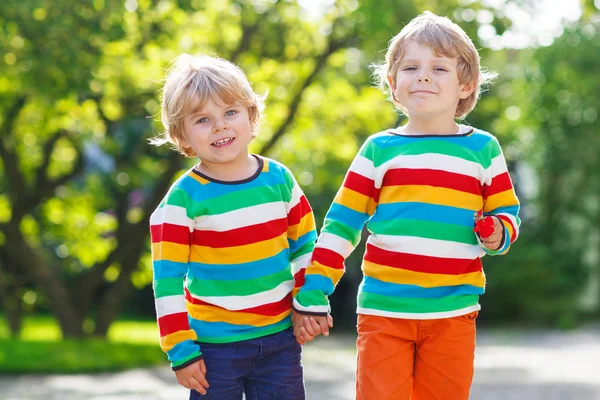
(435, 178)
(425, 279)
(169, 269)
(170, 233)
(345, 232)
(334, 243)
(355, 201)
(171, 214)
(222, 332)
(168, 287)
(306, 224)
(244, 302)
(352, 218)
(425, 229)
(372, 285)
(431, 315)
(424, 212)
(208, 313)
(316, 268)
(425, 247)
(438, 162)
(172, 323)
(311, 300)
(245, 198)
(238, 254)
(430, 195)
(361, 184)
(318, 282)
(497, 167)
(249, 270)
(435, 151)
(270, 309)
(422, 263)
(363, 166)
(502, 199)
(415, 305)
(301, 263)
(169, 341)
(170, 251)
(167, 305)
(244, 216)
(297, 198)
(241, 236)
(328, 257)
(240, 287)
(499, 184)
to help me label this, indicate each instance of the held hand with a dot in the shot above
(493, 241)
(307, 327)
(193, 377)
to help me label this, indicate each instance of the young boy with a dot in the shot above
(417, 188)
(230, 242)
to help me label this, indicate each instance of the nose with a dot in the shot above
(423, 79)
(220, 125)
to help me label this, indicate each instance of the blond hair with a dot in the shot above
(190, 82)
(446, 39)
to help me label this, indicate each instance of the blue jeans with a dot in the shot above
(265, 368)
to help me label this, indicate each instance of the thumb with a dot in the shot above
(330, 320)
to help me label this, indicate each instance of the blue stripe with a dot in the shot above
(223, 329)
(183, 350)
(475, 142)
(512, 210)
(249, 270)
(168, 269)
(348, 216)
(317, 282)
(372, 285)
(310, 236)
(423, 212)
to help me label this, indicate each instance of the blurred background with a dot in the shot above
(79, 99)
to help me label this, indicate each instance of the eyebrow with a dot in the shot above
(436, 59)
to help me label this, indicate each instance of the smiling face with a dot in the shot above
(427, 85)
(219, 134)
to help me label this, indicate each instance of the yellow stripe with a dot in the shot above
(306, 224)
(502, 199)
(169, 341)
(215, 314)
(265, 166)
(356, 201)
(319, 269)
(402, 276)
(508, 228)
(198, 178)
(239, 254)
(430, 195)
(295, 291)
(170, 251)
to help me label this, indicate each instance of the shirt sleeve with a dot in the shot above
(170, 231)
(500, 200)
(301, 233)
(353, 205)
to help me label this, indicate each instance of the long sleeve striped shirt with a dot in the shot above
(417, 196)
(228, 257)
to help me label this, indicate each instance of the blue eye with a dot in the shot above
(230, 113)
(410, 69)
(202, 120)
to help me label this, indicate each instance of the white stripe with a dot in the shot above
(296, 195)
(513, 219)
(363, 166)
(254, 300)
(425, 246)
(242, 217)
(301, 263)
(438, 315)
(440, 162)
(170, 305)
(498, 166)
(311, 309)
(170, 214)
(334, 243)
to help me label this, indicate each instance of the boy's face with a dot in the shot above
(427, 85)
(219, 134)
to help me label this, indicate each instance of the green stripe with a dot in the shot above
(168, 287)
(416, 305)
(305, 249)
(243, 287)
(342, 230)
(279, 327)
(427, 147)
(424, 229)
(177, 363)
(310, 298)
(242, 199)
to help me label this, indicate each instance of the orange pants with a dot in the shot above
(402, 359)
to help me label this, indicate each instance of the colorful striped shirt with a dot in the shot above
(417, 196)
(228, 257)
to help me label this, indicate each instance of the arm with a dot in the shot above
(170, 233)
(500, 201)
(353, 205)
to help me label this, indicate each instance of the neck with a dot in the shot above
(241, 170)
(441, 125)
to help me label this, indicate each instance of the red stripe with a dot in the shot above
(299, 278)
(329, 258)
(509, 222)
(299, 211)
(499, 184)
(173, 323)
(270, 309)
(170, 233)
(430, 177)
(418, 263)
(362, 185)
(240, 236)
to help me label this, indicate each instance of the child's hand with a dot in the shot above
(306, 327)
(493, 241)
(193, 377)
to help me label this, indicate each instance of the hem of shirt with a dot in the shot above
(405, 315)
(249, 337)
(187, 363)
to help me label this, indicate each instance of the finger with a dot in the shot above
(315, 325)
(202, 367)
(308, 327)
(324, 326)
(330, 320)
(194, 384)
(307, 336)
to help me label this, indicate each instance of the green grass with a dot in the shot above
(41, 349)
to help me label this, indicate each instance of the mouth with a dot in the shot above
(422, 92)
(223, 142)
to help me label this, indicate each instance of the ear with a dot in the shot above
(391, 83)
(467, 89)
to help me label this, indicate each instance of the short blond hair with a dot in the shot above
(190, 82)
(446, 39)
